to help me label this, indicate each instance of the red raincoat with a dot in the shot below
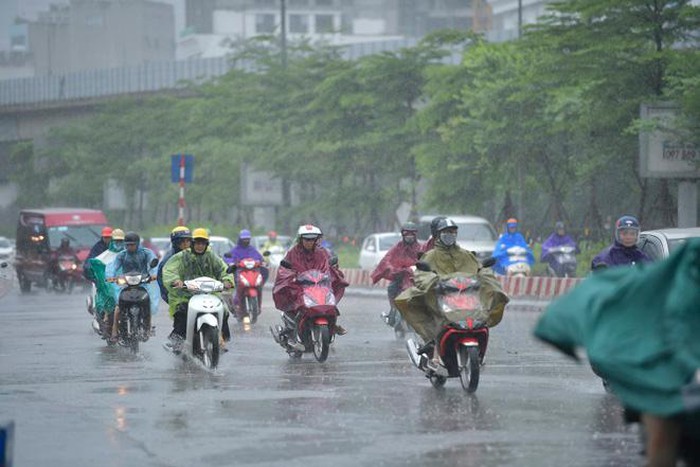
(286, 293)
(400, 257)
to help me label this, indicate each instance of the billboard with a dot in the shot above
(661, 155)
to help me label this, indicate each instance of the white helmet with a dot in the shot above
(309, 231)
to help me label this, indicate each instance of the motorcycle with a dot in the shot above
(461, 345)
(67, 274)
(249, 282)
(134, 313)
(517, 263)
(205, 317)
(275, 255)
(561, 261)
(312, 328)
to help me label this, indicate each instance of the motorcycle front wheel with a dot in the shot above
(469, 367)
(253, 308)
(209, 346)
(321, 338)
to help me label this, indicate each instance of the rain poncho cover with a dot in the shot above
(241, 251)
(639, 327)
(139, 261)
(286, 293)
(104, 301)
(500, 251)
(400, 257)
(619, 255)
(418, 304)
(556, 240)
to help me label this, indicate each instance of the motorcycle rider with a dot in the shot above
(64, 250)
(104, 301)
(446, 258)
(134, 258)
(510, 238)
(624, 250)
(272, 242)
(396, 266)
(430, 243)
(180, 239)
(97, 249)
(243, 250)
(189, 264)
(308, 254)
(556, 239)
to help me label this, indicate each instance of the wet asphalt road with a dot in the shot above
(76, 402)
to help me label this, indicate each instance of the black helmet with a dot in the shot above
(132, 238)
(445, 223)
(433, 225)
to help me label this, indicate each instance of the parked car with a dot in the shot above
(375, 246)
(659, 244)
(474, 234)
(39, 234)
(220, 245)
(7, 250)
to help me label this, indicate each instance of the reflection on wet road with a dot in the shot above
(76, 402)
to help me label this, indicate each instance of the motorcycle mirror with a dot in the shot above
(266, 253)
(286, 264)
(333, 261)
(488, 262)
(423, 266)
(3, 265)
(227, 255)
(154, 262)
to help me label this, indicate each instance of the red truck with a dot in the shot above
(39, 234)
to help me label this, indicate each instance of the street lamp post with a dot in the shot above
(283, 32)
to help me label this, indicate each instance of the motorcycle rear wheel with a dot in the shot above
(469, 368)
(321, 337)
(132, 337)
(209, 339)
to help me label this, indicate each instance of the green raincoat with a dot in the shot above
(641, 330)
(418, 304)
(104, 291)
(185, 266)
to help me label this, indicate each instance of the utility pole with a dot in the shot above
(283, 32)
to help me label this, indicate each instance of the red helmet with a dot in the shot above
(107, 231)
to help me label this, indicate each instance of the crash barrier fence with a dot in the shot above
(541, 288)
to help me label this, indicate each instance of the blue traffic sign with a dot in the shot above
(176, 159)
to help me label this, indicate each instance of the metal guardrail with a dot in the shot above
(150, 77)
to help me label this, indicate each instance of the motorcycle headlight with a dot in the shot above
(133, 280)
(121, 281)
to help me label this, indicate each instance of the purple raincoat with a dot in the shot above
(554, 241)
(618, 255)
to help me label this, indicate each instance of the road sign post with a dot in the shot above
(182, 166)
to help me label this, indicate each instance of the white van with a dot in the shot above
(474, 234)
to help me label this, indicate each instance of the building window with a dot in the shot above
(264, 24)
(299, 24)
(324, 24)
(346, 24)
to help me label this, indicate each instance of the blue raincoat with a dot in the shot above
(500, 252)
(139, 261)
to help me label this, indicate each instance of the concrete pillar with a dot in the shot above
(688, 203)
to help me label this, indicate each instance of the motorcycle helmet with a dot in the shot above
(445, 223)
(309, 232)
(180, 233)
(272, 235)
(559, 225)
(200, 234)
(626, 223)
(408, 232)
(244, 234)
(132, 238)
(118, 235)
(106, 231)
(433, 225)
